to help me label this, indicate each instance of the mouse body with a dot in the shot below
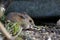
(25, 19)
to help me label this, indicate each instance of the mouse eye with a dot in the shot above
(30, 21)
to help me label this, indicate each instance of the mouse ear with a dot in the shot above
(25, 13)
(21, 16)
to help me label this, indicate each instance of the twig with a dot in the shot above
(4, 31)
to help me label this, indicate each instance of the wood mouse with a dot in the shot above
(21, 17)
